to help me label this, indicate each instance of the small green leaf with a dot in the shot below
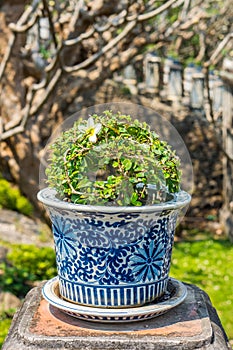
(127, 164)
(84, 183)
(139, 174)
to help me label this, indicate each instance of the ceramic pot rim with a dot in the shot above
(48, 197)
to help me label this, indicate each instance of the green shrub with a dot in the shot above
(10, 198)
(25, 265)
(111, 159)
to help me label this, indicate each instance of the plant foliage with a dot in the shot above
(10, 198)
(26, 264)
(112, 159)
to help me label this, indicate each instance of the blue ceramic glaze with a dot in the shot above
(113, 256)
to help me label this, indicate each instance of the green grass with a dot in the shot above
(208, 263)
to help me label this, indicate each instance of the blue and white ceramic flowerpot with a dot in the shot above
(113, 256)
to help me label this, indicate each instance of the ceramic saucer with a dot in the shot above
(176, 294)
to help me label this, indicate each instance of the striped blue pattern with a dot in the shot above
(111, 296)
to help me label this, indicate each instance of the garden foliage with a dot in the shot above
(10, 198)
(26, 264)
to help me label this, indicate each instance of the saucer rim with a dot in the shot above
(49, 294)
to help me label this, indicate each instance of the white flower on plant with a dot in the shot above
(91, 129)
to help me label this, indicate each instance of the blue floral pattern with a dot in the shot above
(112, 252)
(148, 261)
(63, 236)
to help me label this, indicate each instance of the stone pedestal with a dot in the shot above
(193, 324)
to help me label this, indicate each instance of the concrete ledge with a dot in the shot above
(192, 325)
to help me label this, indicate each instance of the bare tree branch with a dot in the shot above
(6, 57)
(120, 20)
(24, 18)
(105, 49)
(79, 5)
(162, 8)
(47, 91)
(202, 50)
(217, 53)
(83, 36)
(185, 9)
(20, 28)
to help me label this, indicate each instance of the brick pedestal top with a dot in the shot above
(193, 324)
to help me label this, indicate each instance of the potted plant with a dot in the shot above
(114, 197)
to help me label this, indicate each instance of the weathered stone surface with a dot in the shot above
(192, 325)
(18, 228)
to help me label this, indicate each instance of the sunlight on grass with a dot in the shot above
(209, 265)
